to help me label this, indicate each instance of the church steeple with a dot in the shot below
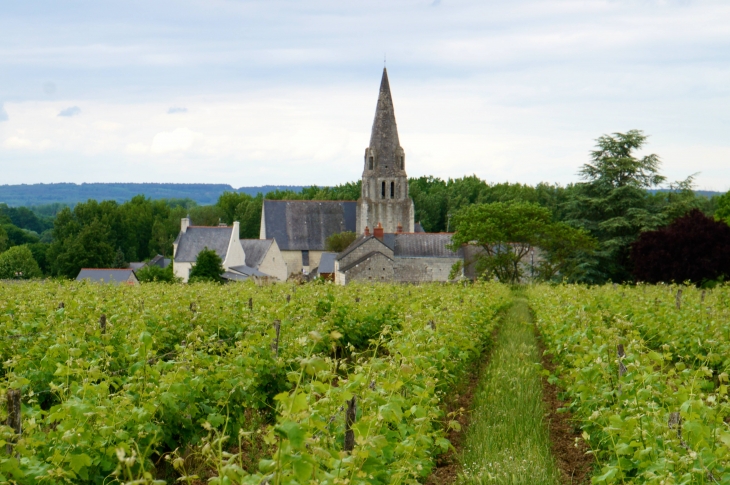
(385, 197)
(384, 137)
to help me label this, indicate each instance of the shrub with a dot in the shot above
(693, 248)
(208, 267)
(18, 263)
(148, 274)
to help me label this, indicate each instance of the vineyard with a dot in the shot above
(234, 384)
(285, 385)
(645, 370)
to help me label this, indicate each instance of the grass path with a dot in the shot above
(507, 440)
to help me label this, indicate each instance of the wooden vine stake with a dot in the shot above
(350, 414)
(678, 299)
(61, 305)
(288, 298)
(14, 418)
(702, 297)
(432, 324)
(250, 304)
(275, 343)
(102, 324)
(621, 354)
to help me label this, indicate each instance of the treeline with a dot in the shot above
(615, 202)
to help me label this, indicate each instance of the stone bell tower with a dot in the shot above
(384, 198)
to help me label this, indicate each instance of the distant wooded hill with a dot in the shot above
(71, 194)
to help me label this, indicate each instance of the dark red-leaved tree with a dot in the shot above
(692, 248)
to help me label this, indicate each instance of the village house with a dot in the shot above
(301, 228)
(115, 276)
(242, 258)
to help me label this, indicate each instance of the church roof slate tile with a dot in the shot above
(305, 224)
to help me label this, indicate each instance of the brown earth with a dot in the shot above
(447, 464)
(568, 448)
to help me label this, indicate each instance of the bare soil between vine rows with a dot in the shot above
(447, 464)
(569, 452)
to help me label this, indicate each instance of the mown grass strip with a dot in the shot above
(508, 440)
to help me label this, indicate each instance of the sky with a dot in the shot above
(283, 92)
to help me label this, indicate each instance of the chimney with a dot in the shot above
(378, 231)
(367, 231)
(184, 224)
(400, 227)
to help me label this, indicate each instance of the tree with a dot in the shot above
(613, 204)
(87, 247)
(340, 241)
(208, 267)
(722, 213)
(693, 248)
(508, 232)
(149, 274)
(4, 241)
(18, 263)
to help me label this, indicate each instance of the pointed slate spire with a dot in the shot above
(384, 137)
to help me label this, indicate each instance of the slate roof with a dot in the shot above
(306, 224)
(160, 261)
(327, 263)
(247, 270)
(412, 245)
(255, 250)
(136, 266)
(364, 258)
(424, 245)
(197, 238)
(105, 275)
(384, 136)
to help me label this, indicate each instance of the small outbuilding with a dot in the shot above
(116, 276)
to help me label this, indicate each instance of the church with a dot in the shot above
(390, 245)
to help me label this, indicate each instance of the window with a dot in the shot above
(305, 258)
(392, 190)
(370, 165)
(402, 163)
(382, 191)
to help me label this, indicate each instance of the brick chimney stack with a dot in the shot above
(367, 231)
(378, 231)
(400, 228)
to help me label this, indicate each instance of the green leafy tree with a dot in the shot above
(507, 233)
(614, 205)
(39, 251)
(18, 263)
(88, 247)
(208, 267)
(4, 241)
(722, 212)
(340, 241)
(149, 274)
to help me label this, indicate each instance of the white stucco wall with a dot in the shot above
(274, 264)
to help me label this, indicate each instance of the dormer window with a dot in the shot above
(382, 191)
(371, 163)
(392, 190)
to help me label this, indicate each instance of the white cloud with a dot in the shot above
(177, 140)
(3, 113)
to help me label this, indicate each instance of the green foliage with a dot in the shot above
(4, 241)
(340, 241)
(25, 218)
(153, 273)
(39, 251)
(507, 233)
(18, 263)
(646, 377)
(208, 267)
(204, 380)
(722, 213)
(244, 208)
(614, 203)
